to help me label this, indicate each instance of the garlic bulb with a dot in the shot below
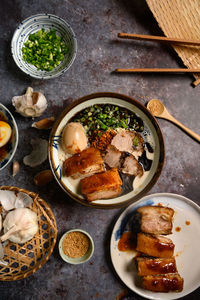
(20, 225)
(32, 104)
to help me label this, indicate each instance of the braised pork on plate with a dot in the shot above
(154, 266)
(156, 219)
(163, 283)
(152, 245)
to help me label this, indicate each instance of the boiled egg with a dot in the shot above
(74, 139)
(5, 133)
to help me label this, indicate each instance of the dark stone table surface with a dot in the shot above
(96, 24)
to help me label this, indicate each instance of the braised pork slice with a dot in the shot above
(112, 157)
(131, 166)
(129, 141)
(157, 246)
(156, 219)
(102, 186)
(138, 144)
(83, 164)
(163, 283)
(154, 266)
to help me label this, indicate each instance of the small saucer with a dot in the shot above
(78, 260)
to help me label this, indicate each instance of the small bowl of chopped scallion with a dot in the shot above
(44, 46)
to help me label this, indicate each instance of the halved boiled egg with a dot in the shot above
(5, 133)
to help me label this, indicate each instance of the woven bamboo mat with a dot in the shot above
(180, 19)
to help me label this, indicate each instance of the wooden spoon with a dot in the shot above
(158, 109)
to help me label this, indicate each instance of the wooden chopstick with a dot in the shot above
(157, 38)
(156, 70)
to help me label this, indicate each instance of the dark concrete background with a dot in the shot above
(96, 24)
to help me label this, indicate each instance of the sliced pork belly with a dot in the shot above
(163, 283)
(154, 266)
(131, 166)
(156, 219)
(102, 186)
(112, 157)
(85, 163)
(138, 144)
(129, 141)
(157, 246)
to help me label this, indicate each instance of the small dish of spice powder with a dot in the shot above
(76, 246)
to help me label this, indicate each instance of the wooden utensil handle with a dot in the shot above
(157, 38)
(156, 70)
(189, 131)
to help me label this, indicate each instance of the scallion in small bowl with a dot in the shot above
(44, 46)
(44, 49)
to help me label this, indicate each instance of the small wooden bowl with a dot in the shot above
(25, 259)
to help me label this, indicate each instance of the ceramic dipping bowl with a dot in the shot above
(79, 260)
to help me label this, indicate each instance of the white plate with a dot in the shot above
(187, 244)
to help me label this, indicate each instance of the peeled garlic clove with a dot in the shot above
(43, 178)
(15, 168)
(32, 104)
(39, 153)
(7, 199)
(45, 123)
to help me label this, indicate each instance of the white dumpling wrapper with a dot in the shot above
(20, 225)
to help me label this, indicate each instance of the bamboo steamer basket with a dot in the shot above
(180, 19)
(25, 259)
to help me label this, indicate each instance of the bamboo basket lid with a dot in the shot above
(25, 259)
(180, 19)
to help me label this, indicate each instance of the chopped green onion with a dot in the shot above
(135, 141)
(44, 49)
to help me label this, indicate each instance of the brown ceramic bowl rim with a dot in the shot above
(158, 131)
